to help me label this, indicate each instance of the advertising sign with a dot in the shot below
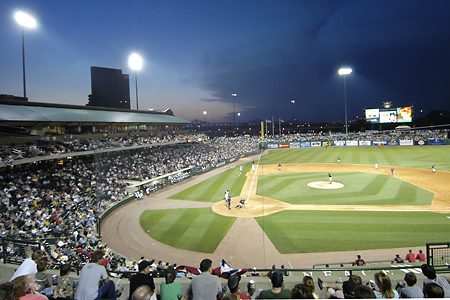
(435, 142)
(389, 116)
(295, 145)
(365, 143)
(305, 144)
(316, 144)
(379, 143)
(284, 145)
(272, 146)
(373, 115)
(351, 143)
(406, 142)
(339, 143)
(404, 114)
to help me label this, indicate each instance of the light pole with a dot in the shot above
(239, 120)
(135, 63)
(293, 110)
(344, 72)
(204, 114)
(24, 20)
(234, 112)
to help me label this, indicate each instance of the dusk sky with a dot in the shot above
(197, 53)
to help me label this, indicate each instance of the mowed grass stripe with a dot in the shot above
(407, 156)
(323, 231)
(359, 189)
(195, 229)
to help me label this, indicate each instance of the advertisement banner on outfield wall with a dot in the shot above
(283, 145)
(406, 142)
(351, 143)
(305, 144)
(316, 144)
(393, 143)
(435, 142)
(380, 143)
(295, 145)
(324, 144)
(365, 143)
(339, 143)
(272, 146)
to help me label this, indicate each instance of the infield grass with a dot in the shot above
(360, 189)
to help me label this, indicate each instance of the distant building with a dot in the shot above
(109, 88)
(12, 98)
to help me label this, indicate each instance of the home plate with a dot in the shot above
(325, 185)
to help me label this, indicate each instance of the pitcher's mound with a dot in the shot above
(325, 185)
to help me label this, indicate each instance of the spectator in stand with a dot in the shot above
(384, 285)
(234, 286)
(64, 288)
(420, 256)
(398, 259)
(142, 278)
(45, 287)
(359, 261)
(277, 291)
(411, 257)
(29, 265)
(338, 290)
(205, 286)
(364, 292)
(25, 288)
(433, 290)
(90, 276)
(171, 290)
(411, 291)
(442, 281)
(309, 283)
(143, 292)
(301, 291)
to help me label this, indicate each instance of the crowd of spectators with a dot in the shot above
(415, 135)
(63, 198)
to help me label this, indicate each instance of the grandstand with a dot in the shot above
(55, 192)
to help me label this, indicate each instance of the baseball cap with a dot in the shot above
(170, 275)
(143, 264)
(276, 278)
(349, 287)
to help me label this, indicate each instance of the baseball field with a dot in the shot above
(294, 209)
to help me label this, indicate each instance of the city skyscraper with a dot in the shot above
(109, 88)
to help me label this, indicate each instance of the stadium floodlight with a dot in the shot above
(204, 114)
(293, 110)
(345, 71)
(24, 20)
(135, 63)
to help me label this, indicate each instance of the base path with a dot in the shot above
(246, 245)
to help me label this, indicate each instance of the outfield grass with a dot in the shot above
(422, 157)
(365, 189)
(323, 231)
(195, 229)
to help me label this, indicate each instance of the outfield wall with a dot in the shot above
(352, 143)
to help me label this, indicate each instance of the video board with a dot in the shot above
(389, 115)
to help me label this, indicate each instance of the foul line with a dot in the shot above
(254, 175)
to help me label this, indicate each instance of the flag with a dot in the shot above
(281, 121)
(8, 161)
(224, 271)
(268, 121)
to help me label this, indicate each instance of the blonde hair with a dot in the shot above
(384, 284)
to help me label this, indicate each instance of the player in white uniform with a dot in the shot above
(376, 166)
(330, 177)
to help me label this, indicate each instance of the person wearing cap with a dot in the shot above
(90, 276)
(205, 286)
(234, 285)
(142, 278)
(277, 291)
(171, 290)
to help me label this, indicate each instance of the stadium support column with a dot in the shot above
(343, 72)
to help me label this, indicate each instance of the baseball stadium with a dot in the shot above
(306, 203)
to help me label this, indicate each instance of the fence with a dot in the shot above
(438, 254)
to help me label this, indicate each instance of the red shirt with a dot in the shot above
(410, 257)
(421, 257)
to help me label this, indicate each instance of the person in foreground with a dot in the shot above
(25, 288)
(277, 291)
(442, 281)
(205, 286)
(384, 285)
(171, 290)
(90, 276)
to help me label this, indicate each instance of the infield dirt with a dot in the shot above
(246, 244)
